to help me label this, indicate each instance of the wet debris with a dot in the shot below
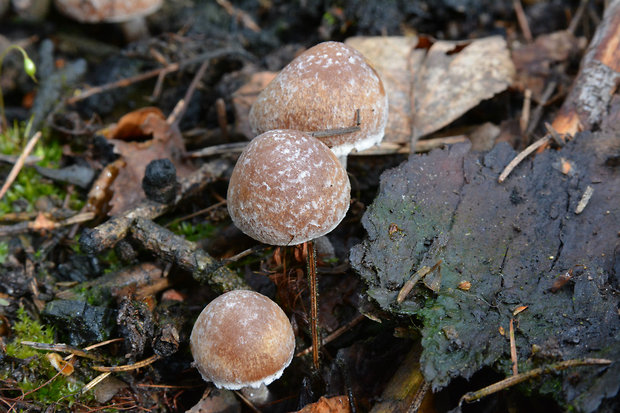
(503, 248)
(79, 322)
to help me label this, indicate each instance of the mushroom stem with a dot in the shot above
(257, 396)
(314, 303)
(135, 29)
(343, 161)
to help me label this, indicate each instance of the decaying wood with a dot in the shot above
(187, 255)
(598, 78)
(405, 387)
(110, 232)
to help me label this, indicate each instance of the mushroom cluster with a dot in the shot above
(287, 188)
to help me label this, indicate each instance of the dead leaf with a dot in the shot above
(244, 97)
(336, 404)
(455, 78)
(396, 59)
(131, 125)
(167, 142)
(534, 61)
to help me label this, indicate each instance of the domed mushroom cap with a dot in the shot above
(287, 188)
(112, 11)
(322, 89)
(242, 339)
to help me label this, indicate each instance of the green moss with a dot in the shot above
(4, 251)
(39, 371)
(29, 185)
(26, 329)
(111, 261)
(193, 232)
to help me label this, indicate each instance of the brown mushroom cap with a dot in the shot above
(287, 188)
(111, 11)
(242, 339)
(322, 89)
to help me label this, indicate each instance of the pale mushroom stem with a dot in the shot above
(135, 29)
(343, 161)
(314, 302)
(257, 396)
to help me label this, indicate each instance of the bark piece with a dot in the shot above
(597, 80)
(511, 243)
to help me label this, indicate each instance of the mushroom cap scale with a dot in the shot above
(242, 339)
(322, 89)
(287, 188)
(111, 11)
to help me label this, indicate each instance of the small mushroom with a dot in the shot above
(129, 14)
(330, 86)
(242, 339)
(287, 188)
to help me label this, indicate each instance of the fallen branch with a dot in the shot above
(598, 78)
(185, 254)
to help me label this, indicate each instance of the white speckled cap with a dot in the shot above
(322, 89)
(287, 188)
(112, 11)
(242, 339)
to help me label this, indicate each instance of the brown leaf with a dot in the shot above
(131, 125)
(396, 59)
(455, 78)
(167, 142)
(336, 404)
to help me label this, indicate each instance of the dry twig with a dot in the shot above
(521, 156)
(20, 163)
(173, 67)
(520, 378)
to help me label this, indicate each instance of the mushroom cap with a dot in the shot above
(322, 89)
(242, 339)
(287, 188)
(111, 11)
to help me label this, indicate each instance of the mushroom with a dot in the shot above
(242, 340)
(130, 14)
(287, 188)
(330, 86)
